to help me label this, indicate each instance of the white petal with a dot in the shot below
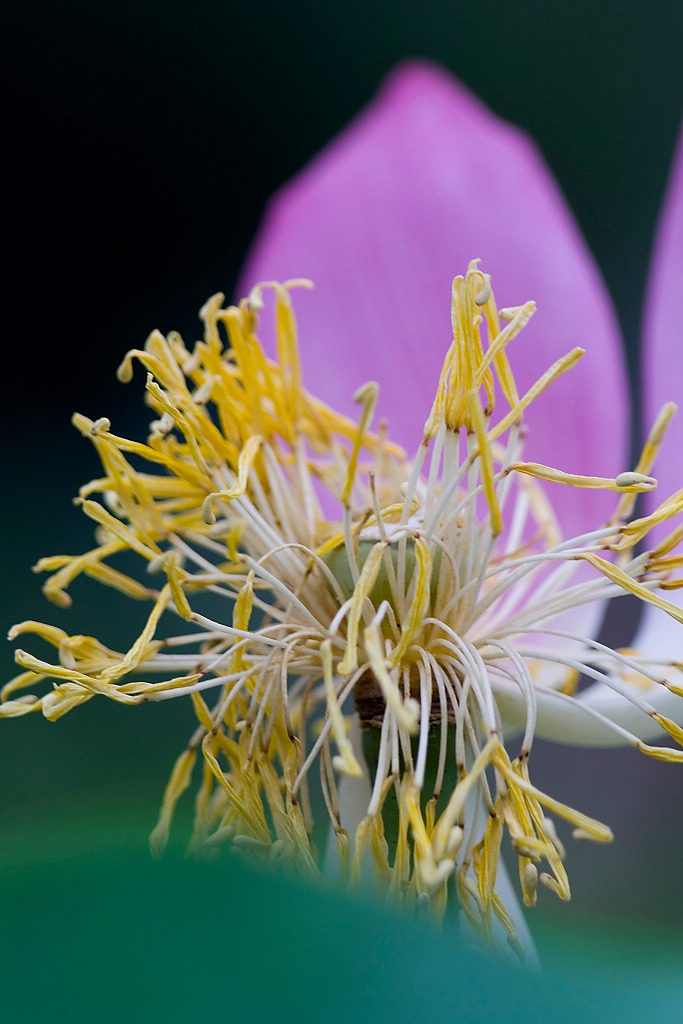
(589, 720)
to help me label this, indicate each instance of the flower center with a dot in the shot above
(386, 580)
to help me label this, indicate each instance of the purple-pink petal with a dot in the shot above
(422, 181)
(662, 352)
(662, 381)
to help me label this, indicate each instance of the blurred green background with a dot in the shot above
(142, 140)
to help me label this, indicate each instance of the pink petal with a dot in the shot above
(422, 181)
(662, 356)
(662, 375)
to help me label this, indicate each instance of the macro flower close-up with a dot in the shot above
(378, 521)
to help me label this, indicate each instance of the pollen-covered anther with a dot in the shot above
(406, 709)
(433, 876)
(66, 654)
(158, 564)
(203, 393)
(454, 842)
(551, 883)
(367, 397)
(277, 852)
(484, 293)
(163, 426)
(247, 842)
(551, 833)
(100, 426)
(472, 889)
(635, 481)
(220, 836)
(531, 846)
(530, 884)
(580, 834)
(346, 761)
(208, 514)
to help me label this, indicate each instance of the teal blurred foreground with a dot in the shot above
(117, 937)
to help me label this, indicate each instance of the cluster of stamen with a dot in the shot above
(428, 595)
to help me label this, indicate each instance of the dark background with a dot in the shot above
(141, 142)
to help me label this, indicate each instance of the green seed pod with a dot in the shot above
(338, 563)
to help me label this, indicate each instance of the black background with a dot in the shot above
(141, 141)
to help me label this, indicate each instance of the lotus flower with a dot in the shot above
(423, 179)
(448, 595)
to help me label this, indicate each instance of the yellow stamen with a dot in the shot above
(556, 370)
(346, 761)
(648, 455)
(367, 396)
(419, 604)
(407, 711)
(487, 474)
(361, 591)
(625, 482)
(616, 575)
(245, 465)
